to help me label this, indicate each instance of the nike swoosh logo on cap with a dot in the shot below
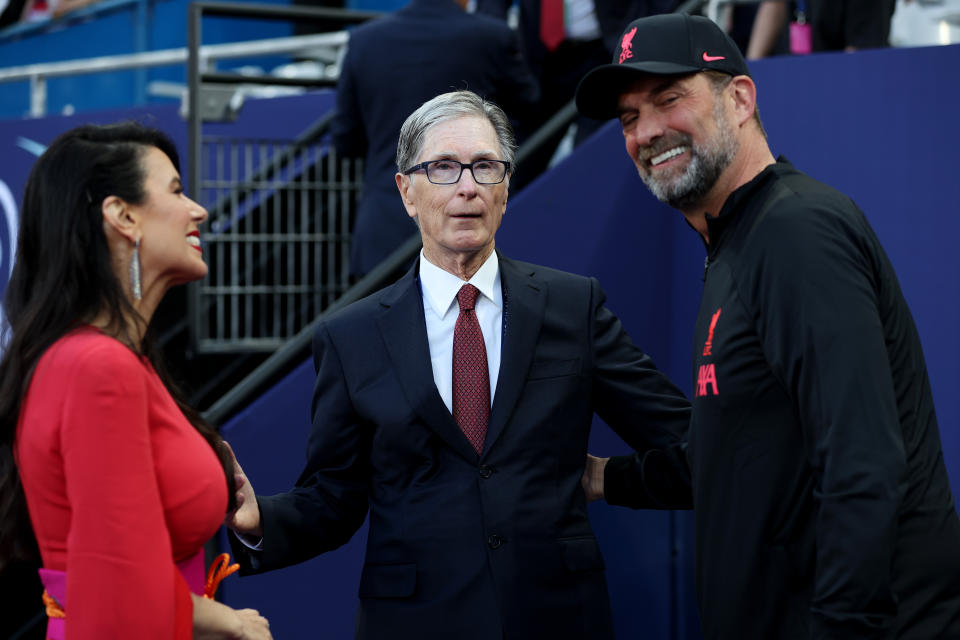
(707, 58)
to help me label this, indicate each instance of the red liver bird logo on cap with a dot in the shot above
(626, 45)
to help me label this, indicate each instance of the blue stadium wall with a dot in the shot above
(879, 125)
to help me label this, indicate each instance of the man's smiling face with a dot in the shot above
(679, 135)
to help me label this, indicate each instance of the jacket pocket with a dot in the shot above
(541, 369)
(582, 554)
(388, 580)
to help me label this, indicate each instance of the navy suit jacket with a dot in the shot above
(392, 66)
(461, 545)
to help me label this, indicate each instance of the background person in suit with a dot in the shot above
(392, 66)
(472, 472)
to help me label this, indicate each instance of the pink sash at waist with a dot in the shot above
(193, 572)
(55, 583)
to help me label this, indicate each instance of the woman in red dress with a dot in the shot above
(103, 470)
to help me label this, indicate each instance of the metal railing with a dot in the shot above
(279, 241)
(281, 211)
(37, 74)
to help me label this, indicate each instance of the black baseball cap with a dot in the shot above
(667, 44)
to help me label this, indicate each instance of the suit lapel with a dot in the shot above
(524, 298)
(404, 332)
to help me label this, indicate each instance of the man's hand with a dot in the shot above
(592, 479)
(245, 519)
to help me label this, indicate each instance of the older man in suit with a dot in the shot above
(455, 405)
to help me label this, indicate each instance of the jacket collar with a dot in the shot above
(524, 299)
(404, 332)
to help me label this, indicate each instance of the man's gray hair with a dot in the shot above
(447, 106)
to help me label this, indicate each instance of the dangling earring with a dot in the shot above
(135, 270)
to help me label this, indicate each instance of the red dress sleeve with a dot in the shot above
(121, 579)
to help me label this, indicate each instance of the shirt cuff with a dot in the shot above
(254, 544)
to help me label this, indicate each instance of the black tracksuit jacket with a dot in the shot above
(821, 500)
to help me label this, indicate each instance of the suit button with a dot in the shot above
(485, 472)
(495, 541)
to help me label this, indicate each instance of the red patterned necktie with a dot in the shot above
(551, 23)
(471, 378)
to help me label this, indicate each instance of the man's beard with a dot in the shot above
(707, 161)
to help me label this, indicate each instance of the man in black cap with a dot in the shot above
(822, 504)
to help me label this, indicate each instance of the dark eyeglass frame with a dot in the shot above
(468, 165)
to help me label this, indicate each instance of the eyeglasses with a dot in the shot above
(450, 171)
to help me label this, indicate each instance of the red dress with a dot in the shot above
(119, 485)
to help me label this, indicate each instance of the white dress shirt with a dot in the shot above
(440, 308)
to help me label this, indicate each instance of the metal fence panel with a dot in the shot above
(278, 245)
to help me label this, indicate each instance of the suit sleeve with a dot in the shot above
(816, 294)
(645, 409)
(346, 129)
(329, 502)
(121, 578)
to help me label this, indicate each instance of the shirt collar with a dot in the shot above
(440, 287)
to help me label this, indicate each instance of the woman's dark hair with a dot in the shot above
(63, 277)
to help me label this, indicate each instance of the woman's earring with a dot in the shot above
(135, 270)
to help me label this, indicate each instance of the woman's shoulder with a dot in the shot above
(87, 347)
